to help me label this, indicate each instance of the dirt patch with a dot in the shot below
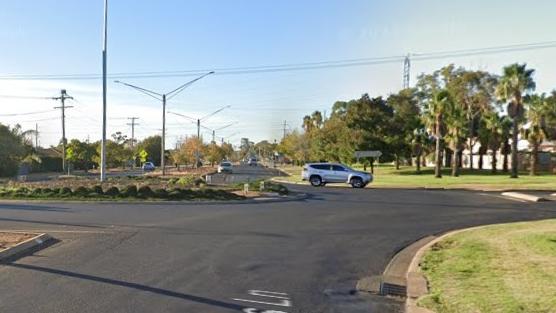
(8, 240)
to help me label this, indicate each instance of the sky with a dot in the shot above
(55, 37)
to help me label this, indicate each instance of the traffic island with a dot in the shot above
(14, 245)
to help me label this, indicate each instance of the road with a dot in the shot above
(305, 255)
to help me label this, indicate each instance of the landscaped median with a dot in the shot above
(499, 268)
(134, 189)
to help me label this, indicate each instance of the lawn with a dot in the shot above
(386, 176)
(497, 269)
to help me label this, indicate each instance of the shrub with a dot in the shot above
(65, 191)
(161, 193)
(145, 192)
(187, 194)
(199, 182)
(175, 194)
(173, 181)
(97, 189)
(56, 190)
(130, 191)
(185, 181)
(46, 191)
(112, 192)
(36, 191)
(81, 191)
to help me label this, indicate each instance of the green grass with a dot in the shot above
(497, 269)
(386, 176)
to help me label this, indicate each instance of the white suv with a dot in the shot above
(319, 174)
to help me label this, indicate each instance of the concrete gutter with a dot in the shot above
(33, 244)
(523, 196)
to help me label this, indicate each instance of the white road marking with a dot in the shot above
(270, 294)
(252, 310)
(286, 303)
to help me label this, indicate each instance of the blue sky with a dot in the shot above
(64, 37)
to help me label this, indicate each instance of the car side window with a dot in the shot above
(322, 167)
(338, 168)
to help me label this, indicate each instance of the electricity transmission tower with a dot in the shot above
(406, 71)
(63, 97)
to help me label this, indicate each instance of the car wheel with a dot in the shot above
(357, 182)
(315, 181)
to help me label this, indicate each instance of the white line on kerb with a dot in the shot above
(286, 303)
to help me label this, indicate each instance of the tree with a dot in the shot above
(405, 120)
(516, 80)
(435, 112)
(494, 125)
(81, 154)
(228, 149)
(152, 146)
(456, 132)
(14, 147)
(538, 110)
(214, 153)
(187, 151)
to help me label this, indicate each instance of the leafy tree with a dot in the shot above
(187, 151)
(405, 120)
(14, 147)
(456, 132)
(435, 111)
(152, 146)
(228, 150)
(214, 153)
(81, 154)
(516, 80)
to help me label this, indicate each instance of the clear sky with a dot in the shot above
(64, 37)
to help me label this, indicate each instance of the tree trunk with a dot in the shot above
(505, 161)
(481, 160)
(397, 161)
(438, 157)
(455, 163)
(471, 127)
(494, 162)
(534, 158)
(514, 148)
(372, 165)
(418, 163)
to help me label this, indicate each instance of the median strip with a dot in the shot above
(523, 196)
(16, 244)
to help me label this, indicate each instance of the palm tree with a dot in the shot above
(515, 81)
(436, 109)
(538, 109)
(456, 122)
(495, 126)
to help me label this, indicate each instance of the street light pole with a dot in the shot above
(104, 61)
(163, 145)
(163, 98)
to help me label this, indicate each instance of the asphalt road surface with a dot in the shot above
(297, 256)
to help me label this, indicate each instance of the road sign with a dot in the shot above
(368, 154)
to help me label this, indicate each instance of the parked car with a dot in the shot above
(319, 174)
(225, 167)
(252, 162)
(148, 166)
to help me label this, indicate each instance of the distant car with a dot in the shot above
(252, 162)
(319, 174)
(148, 166)
(225, 167)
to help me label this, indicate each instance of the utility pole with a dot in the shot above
(63, 96)
(36, 135)
(132, 124)
(104, 61)
(406, 71)
(285, 126)
(163, 98)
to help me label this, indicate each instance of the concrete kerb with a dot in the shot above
(33, 244)
(523, 196)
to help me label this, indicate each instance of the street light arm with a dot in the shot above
(176, 91)
(142, 90)
(184, 116)
(215, 112)
(224, 127)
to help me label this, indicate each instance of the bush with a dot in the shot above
(46, 191)
(112, 192)
(145, 192)
(66, 191)
(130, 191)
(81, 191)
(37, 192)
(187, 194)
(97, 189)
(173, 181)
(161, 193)
(199, 181)
(175, 194)
(56, 190)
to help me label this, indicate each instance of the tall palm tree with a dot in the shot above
(436, 109)
(538, 109)
(516, 80)
(494, 123)
(456, 122)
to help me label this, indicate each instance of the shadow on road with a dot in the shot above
(32, 207)
(160, 291)
(16, 220)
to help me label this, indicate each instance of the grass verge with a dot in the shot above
(386, 176)
(497, 269)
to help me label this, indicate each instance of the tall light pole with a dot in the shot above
(104, 60)
(163, 97)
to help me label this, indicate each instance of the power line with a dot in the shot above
(294, 66)
(27, 113)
